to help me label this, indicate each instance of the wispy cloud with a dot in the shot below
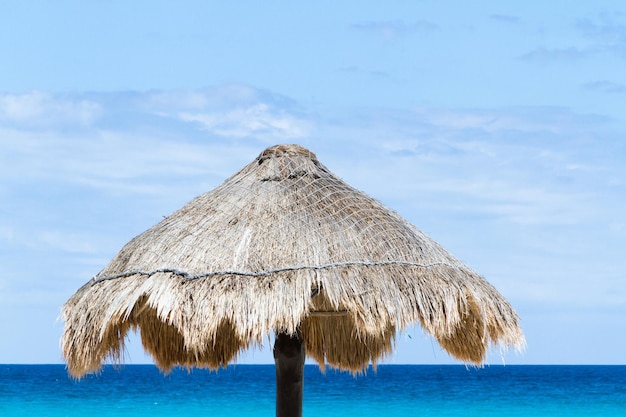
(605, 86)
(354, 69)
(132, 162)
(259, 121)
(505, 18)
(218, 98)
(396, 28)
(118, 141)
(606, 32)
(527, 119)
(232, 111)
(545, 55)
(490, 163)
(41, 110)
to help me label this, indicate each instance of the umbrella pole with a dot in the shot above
(289, 358)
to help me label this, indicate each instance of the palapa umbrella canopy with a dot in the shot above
(283, 246)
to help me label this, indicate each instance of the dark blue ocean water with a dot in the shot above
(248, 390)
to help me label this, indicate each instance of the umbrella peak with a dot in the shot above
(286, 150)
(287, 162)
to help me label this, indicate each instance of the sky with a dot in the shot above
(497, 128)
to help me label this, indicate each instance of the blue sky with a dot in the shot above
(498, 129)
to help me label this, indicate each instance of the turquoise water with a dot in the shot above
(248, 390)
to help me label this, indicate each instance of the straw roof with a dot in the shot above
(282, 246)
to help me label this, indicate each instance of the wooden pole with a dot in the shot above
(289, 358)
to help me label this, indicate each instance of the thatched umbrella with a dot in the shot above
(282, 246)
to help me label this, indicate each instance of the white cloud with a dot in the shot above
(212, 98)
(232, 111)
(117, 162)
(186, 135)
(37, 109)
(259, 120)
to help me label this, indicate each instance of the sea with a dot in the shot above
(249, 390)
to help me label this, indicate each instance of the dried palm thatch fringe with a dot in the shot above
(277, 242)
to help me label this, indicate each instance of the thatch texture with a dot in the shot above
(282, 246)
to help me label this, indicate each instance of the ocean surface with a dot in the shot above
(248, 390)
